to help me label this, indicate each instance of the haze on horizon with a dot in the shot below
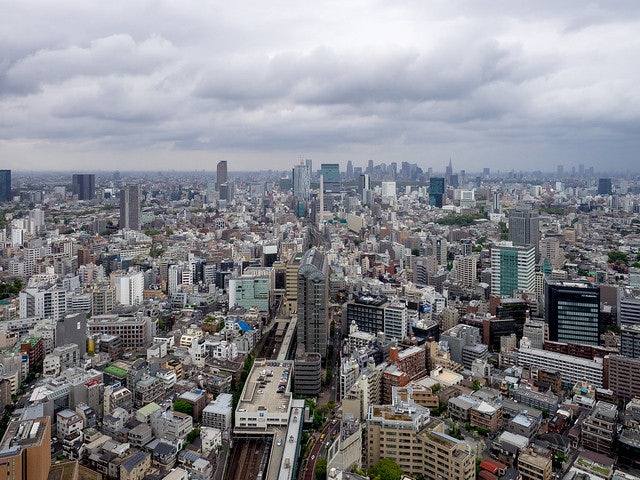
(153, 85)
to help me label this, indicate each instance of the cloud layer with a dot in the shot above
(156, 85)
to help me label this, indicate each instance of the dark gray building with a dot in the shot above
(524, 228)
(5, 185)
(572, 311)
(130, 207)
(313, 292)
(84, 186)
(73, 329)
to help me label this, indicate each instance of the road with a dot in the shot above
(319, 448)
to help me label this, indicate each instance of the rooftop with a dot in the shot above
(267, 387)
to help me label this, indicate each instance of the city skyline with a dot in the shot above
(151, 87)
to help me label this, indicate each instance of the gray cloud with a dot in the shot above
(419, 81)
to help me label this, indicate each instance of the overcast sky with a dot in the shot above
(179, 84)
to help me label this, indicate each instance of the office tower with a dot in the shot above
(364, 185)
(5, 185)
(130, 207)
(440, 250)
(560, 171)
(301, 182)
(453, 180)
(524, 228)
(630, 341)
(629, 311)
(466, 267)
(512, 268)
(572, 311)
(388, 189)
(496, 206)
(448, 172)
(331, 174)
(604, 186)
(349, 170)
(312, 296)
(84, 186)
(369, 169)
(436, 192)
(221, 173)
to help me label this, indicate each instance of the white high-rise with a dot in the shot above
(129, 288)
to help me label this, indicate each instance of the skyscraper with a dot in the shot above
(301, 182)
(524, 228)
(436, 192)
(331, 174)
(130, 207)
(221, 173)
(84, 186)
(349, 171)
(5, 185)
(312, 296)
(572, 311)
(604, 186)
(512, 268)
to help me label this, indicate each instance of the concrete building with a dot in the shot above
(252, 289)
(130, 207)
(464, 343)
(621, 376)
(307, 373)
(573, 369)
(218, 413)
(524, 228)
(396, 321)
(25, 449)
(534, 466)
(135, 332)
(599, 429)
(312, 300)
(129, 287)
(404, 433)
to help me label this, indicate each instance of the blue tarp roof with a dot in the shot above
(243, 326)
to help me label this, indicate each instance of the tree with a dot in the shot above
(386, 470)
(321, 469)
(183, 407)
(415, 252)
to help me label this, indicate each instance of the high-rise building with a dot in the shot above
(629, 311)
(5, 185)
(301, 182)
(512, 268)
(630, 341)
(572, 311)
(84, 185)
(331, 175)
(436, 192)
(130, 207)
(364, 185)
(524, 228)
(221, 173)
(349, 170)
(604, 186)
(313, 293)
